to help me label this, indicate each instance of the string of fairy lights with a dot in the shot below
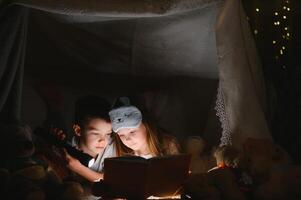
(281, 33)
(281, 22)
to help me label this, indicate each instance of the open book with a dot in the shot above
(135, 177)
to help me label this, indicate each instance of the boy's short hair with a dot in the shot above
(91, 107)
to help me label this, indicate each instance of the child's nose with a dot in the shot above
(102, 139)
(127, 137)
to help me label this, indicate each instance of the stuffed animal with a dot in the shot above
(261, 155)
(270, 165)
(198, 186)
(200, 162)
(4, 179)
(25, 177)
(225, 181)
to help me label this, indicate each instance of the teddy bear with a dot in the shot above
(24, 176)
(200, 162)
(226, 180)
(275, 175)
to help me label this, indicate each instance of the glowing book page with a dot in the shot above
(136, 177)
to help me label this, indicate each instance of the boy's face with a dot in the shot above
(95, 136)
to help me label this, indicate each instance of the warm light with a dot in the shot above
(287, 1)
(285, 28)
(283, 47)
(91, 162)
(284, 7)
(284, 17)
(281, 52)
(288, 34)
(288, 9)
(276, 13)
(274, 42)
(167, 197)
(257, 9)
(255, 31)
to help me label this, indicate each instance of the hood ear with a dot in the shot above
(77, 130)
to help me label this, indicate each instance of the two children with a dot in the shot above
(94, 126)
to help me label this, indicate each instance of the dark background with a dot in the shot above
(282, 71)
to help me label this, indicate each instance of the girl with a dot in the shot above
(140, 136)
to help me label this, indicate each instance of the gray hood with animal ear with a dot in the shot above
(125, 117)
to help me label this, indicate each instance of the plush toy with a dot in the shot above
(25, 177)
(4, 179)
(262, 154)
(71, 190)
(272, 170)
(225, 181)
(200, 162)
(198, 186)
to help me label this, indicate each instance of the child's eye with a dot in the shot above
(132, 132)
(93, 133)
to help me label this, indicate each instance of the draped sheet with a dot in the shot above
(115, 8)
(182, 44)
(240, 74)
(13, 23)
(198, 38)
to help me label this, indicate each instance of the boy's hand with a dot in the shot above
(72, 163)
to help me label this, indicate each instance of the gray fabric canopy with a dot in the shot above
(142, 43)
(182, 44)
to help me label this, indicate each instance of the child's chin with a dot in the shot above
(98, 150)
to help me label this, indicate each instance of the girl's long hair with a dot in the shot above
(121, 149)
(152, 136)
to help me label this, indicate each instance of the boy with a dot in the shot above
(92, 130)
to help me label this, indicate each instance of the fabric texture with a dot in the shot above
(13, 22)
(205, 39)
(240, 75)
(125, 117)
(116, 8)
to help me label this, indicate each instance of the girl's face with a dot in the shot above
(134, 138)
(95, 136)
